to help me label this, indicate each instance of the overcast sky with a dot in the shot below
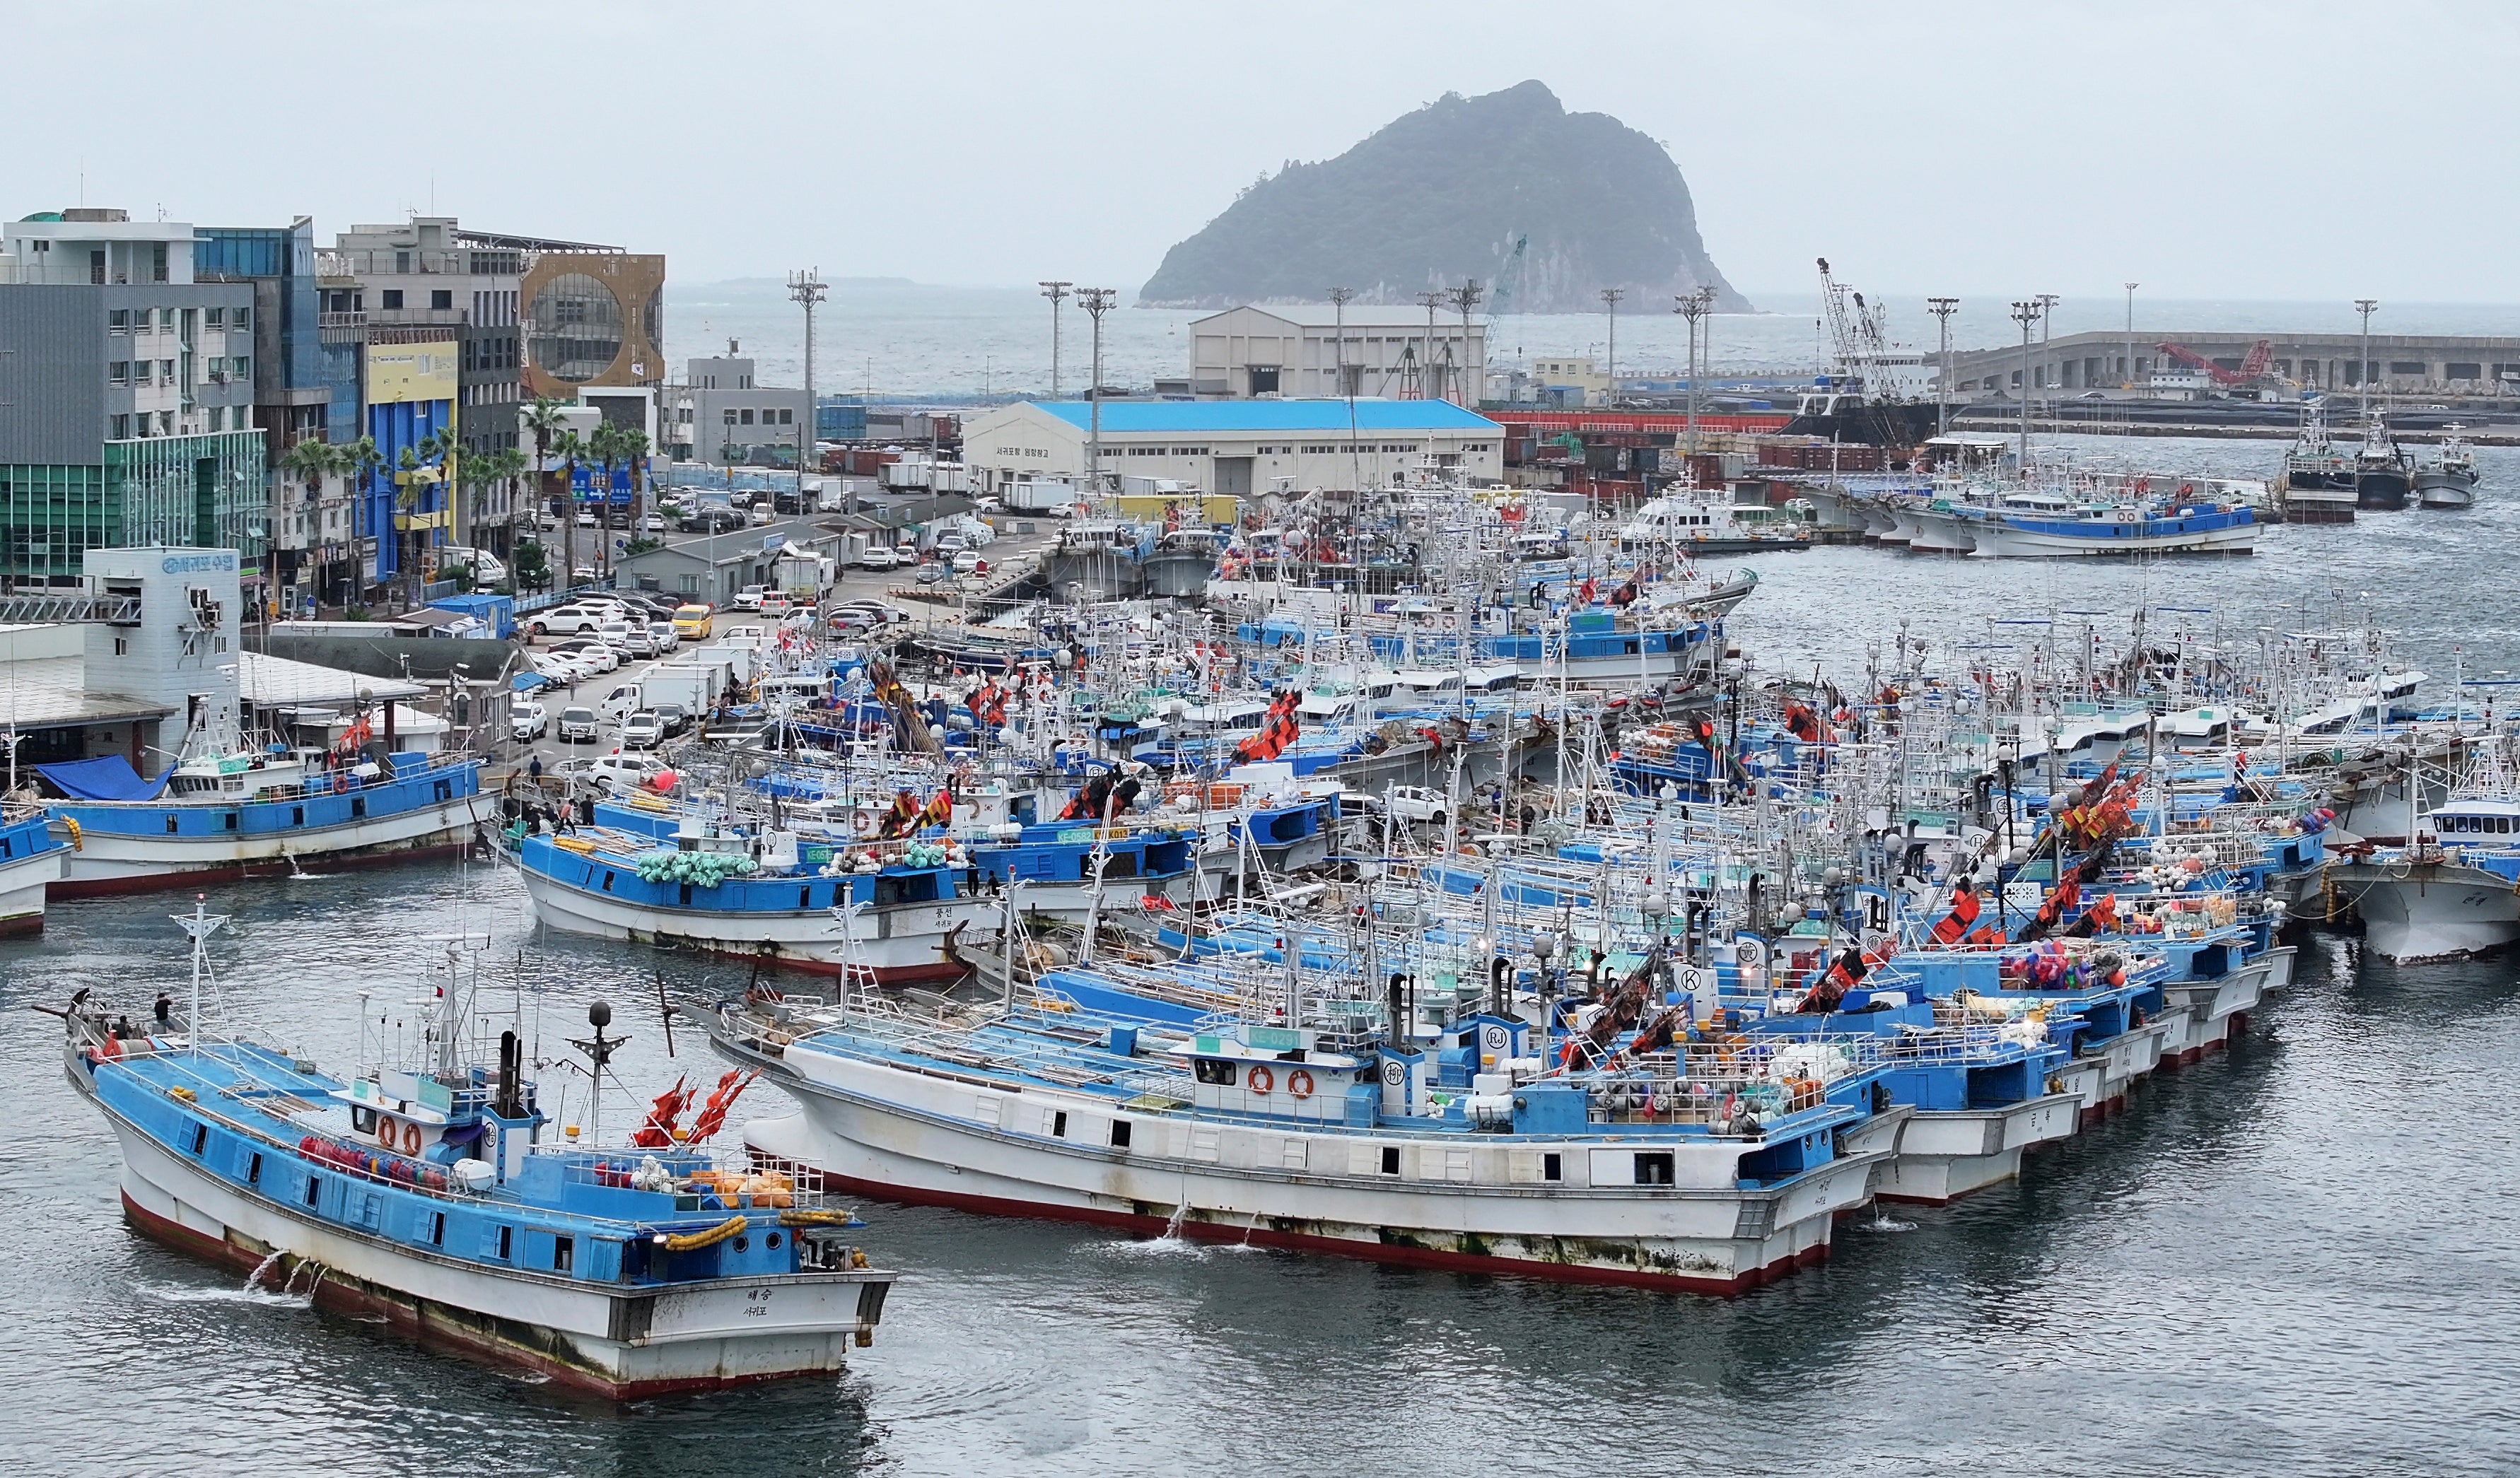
(2298, 150)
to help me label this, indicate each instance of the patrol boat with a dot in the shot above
(424, 1194)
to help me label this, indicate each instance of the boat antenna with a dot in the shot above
(599, 1052)
(201, 925)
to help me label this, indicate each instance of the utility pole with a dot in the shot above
(2363, 370)
(2129, 383)
(1465, 297)
(2046, 319)
(1691, 306)
(1431, 383)
(2025, 313)
(1338, 302)
(807, 289)
(1055, 292)
(1097, 302)
(1610, 299)
(1942, 308)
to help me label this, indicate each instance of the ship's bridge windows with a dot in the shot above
(1654, 1167)
(1214, 1073)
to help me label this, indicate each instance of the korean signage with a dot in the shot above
(409, 374)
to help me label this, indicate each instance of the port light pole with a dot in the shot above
(1610, 300)
(2128, 382)
(2026, 312)
(2363, 370)
(1340, 297)
(1055, 292)
(1096, 301)
(2047, 317)
(1430, 380)
(1942, 308)
(808, 290)
(1474, 372)
(1693, 306)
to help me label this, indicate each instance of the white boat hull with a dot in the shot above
(900, 943)
(2000, 540)
(2434, 911)
(108, 861)
(25, 881)
(1473, 1201)
(1943, 1155)
(697, 1336)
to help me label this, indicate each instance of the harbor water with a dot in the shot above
(2297, 1257)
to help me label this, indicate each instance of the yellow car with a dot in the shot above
(692, 622)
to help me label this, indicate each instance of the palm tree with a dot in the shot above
(603, 444)
(308, 462)
(571, 449)
(361, 461)
(633, 446)
(506, 465)
(544, 419)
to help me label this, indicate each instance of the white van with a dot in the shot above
(486, 567)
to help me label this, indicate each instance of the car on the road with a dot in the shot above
(933, 574)
(598, 655)
(969, 563)
(577, 726)
(750, 597)
(773, 603)
(653, 523)
(1415, 803)
(879, 556)
(643, 730)
(663, 637)
(692, 621)
(846, 621)
(584, 575)
(674, 716)
(527, 722)
(713, 521)
(627, 772)
(583, 614)
(586, 518)
(641, 640)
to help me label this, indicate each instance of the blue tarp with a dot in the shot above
(109, 779)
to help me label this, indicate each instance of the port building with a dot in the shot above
(2430, 367)
(1294, 350)
(1235, 447)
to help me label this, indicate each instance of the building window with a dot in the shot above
(120, 372)
(391, 298)
(121, 432)
(165, 372)
(441, 298)
(241, 320)
(157, 262)
(2407, 367)
(747, 417)
(214, 318)
(166, 320)
(165, 422)
(118, 320)
(219, 415)
(786, 417)
(2456, 371)
(243, 367)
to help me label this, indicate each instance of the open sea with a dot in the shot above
(2301, 1257)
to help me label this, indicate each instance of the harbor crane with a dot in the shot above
(2251, 369)
(1859, 336)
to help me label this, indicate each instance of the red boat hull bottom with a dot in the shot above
(1387, 1251)
(415, 1319)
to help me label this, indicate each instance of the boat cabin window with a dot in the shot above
(437, 1228)
(1390, 1159)
(1119, 1133)
(564, 1253)
(253, 1171)
(1214, 1073)
(1059, 1124)
(1551, 1168)
(1654, 1168)
(314, 1188)
(200, 1137)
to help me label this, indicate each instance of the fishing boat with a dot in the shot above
(2317, 478)
(2383, 472)
(425, 1195)
(30, 863)
(243, 813)
(2447, 479)
(2454, 890)
(2033, 525)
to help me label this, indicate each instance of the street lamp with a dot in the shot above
(2025, 313)
(2129, 383)
(1610, 300)
(1942, 308)
(2363, 370)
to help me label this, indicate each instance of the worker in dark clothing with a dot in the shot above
(166, 1008)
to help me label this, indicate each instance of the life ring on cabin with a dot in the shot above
(78, 839)
(340, 781)
(1262, 1079)
(411, 1136)
(863, 823)
(1299, 1082)
(386, 1131)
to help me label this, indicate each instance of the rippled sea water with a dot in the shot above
(2299, 1257)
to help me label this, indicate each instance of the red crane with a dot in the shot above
(2250, 368)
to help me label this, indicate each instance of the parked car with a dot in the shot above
(567, 668)
(773, 603)
(598, 655)
(584, 614)
(653, 523)
(1416, 803)
(577, 726)
(933, 574)
(845, 621)
(692, 621)
(584, 575)
(713, 521)
(663, 637)
(643, 730)
(615, 634)
(879, 556)
(626, 772)
(527, 722)
(969, 563)
(750, 597)
(586, 518)
(642, 640)
(674, 716)
(621, 701)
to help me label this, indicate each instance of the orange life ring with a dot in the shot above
(1262, 1079)
(340, 781)
(1300, 1083)
(410, 1136)
(385, 1132)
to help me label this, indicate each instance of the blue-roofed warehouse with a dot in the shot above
(1235, 447)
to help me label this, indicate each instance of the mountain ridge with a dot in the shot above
(1443, 194)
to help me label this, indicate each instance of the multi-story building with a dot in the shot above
(1298, 351)
(721, 413)
(592, 316)
(130, 393)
